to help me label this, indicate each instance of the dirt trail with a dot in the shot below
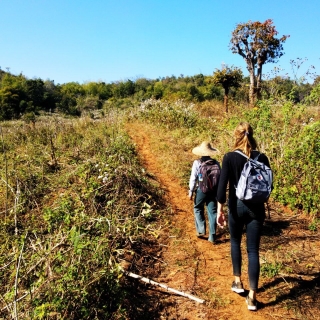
(194, 265)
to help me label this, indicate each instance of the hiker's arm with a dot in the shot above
(221, 218)
(193, 178)
(223, 181)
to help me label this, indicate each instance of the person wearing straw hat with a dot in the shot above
(205, 151)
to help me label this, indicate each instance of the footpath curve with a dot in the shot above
(193, 265)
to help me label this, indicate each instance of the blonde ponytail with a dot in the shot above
(244, 138)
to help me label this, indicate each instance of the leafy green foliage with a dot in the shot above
(314, 225)
(299, 182)
(314, 97)
(19, 95)
(227, 77)
(270, 269)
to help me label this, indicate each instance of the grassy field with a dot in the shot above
(77, 203)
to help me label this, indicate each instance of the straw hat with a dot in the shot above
(205, 149)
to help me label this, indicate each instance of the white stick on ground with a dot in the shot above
(136, 276)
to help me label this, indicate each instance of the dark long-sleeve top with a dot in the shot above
(232, 165)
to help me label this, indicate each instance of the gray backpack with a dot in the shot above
(255, 183)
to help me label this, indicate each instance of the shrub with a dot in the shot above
(171, 115)
(298, 176)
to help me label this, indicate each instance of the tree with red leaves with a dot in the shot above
(256, 42)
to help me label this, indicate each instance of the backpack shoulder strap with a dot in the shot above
(255, 159)
(237, 151)
(199, 165)
(207, 161)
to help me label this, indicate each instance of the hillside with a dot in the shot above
(86, 200)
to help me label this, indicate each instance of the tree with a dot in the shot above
(158, 90)
(35, 93)
(227, 77)
(51, 95)
(314, 97)
(124, 89)
(256, 42)
(69, 94)
(12, 91)
(199, 79)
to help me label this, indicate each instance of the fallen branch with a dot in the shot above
(136, 276)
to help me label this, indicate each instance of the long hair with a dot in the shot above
(244, 139)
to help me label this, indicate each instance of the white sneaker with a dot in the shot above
(252, 304)
(237, 287)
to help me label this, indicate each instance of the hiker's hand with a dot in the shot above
(190, 195)
(221, 219)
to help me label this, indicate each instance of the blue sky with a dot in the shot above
(116, 40)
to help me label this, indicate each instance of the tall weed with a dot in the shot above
(80, 203)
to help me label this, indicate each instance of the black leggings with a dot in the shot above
(239, 217)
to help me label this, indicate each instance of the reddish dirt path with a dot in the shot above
(194, 265)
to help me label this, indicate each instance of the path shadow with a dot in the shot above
(145, 302)
(298, 293)
(275, 228)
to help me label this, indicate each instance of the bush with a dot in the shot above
(170, 115)
(298, 176)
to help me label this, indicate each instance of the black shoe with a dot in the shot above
(252, 304)
(237, 287)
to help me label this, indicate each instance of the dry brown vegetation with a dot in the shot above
(289, 251)
(289, 285)
(84, 198)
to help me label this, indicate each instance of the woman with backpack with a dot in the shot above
(241, 213)
(203, 183)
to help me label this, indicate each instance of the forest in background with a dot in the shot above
(23, 98)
